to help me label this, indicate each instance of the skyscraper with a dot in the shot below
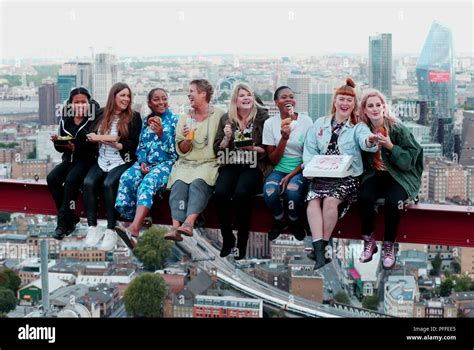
(320, 100)
(467, 141)
(65, 84)
(436, 83)
(84, 75)
(66, 80)
(380, 63)
(300, 84)
(48, 99)
(105, 75)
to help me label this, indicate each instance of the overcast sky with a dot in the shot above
(68, 28)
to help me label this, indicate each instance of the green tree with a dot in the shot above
(341, 297)
(152, 249)
(2, 315)
(446, 287)
(267, 95)
(9, 279)
(5, 217)
(279, 314)
(370, 302)
(8, 145)
(32, 154)
(463, 284)
(456, 267)
(436, 263)
(223, 97)
(13, 80)
(43, 72)
(145, 295)
(7, 300)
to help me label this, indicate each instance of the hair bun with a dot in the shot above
(350, 82)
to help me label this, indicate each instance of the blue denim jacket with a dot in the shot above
(351, 141)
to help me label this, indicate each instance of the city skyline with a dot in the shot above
(281, 28)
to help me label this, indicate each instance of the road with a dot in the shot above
(226, 267)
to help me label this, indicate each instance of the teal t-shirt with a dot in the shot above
(288, 164)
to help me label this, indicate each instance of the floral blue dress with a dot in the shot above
(159, 153)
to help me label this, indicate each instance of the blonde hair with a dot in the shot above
(233, 111)
(389, 120)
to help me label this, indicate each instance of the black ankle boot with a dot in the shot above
(227, 245)
(318, 248)
(327, 252)
(242, 239)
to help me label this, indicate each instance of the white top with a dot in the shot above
(109, 157)
(294, 145)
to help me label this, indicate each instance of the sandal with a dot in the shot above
(147, 223)
(127, 237)
(173, 235)
(186, 229)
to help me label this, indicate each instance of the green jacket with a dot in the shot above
(404, 162)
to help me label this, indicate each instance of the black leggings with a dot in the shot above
(110, 181)
(64, 182)
(381, 185)
(235, 187)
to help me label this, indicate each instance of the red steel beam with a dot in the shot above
(451, 225)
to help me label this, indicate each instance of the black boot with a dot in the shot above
(242, 238)
(227, 245)
(71, 227)
(318, 248)
(278, 227)
(297, 230)
(60, 232)
(327, 252)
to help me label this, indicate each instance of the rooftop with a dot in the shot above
(53, 282)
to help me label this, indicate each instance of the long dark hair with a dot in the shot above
(125, 117)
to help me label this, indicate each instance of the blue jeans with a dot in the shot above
(292, 198)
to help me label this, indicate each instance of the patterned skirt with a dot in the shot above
(345, 189)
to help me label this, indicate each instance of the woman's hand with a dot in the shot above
(186, 130)
(54, 137)
(371, 140)
(228, 131)
(384, 141)
(157, 128)
(144, 168)
(284, 183)
(286, 131)
(113, 144)
(90, 137)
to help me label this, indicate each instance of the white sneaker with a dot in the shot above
(110, 240)
(94, 235)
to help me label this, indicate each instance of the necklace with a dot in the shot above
(205, 142)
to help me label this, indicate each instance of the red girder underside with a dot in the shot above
(423, 223)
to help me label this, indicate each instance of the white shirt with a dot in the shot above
(109, 157)
(294, 145)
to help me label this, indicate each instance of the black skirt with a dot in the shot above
(345, 189)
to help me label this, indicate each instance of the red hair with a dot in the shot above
(347, 89)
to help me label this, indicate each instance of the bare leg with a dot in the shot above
(330, 215)
(140, 215)
(191, 219)
(176, 223)
(315, 218)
